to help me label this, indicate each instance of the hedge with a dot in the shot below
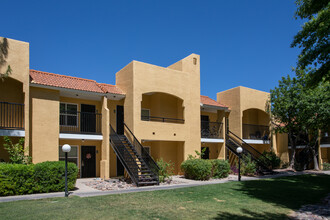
(220, 168)
(19, 179)
(197, 169)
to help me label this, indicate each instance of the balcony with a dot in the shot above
(80, 122)
(256, 132)
(211, 130)
(161, 119)
(11, 116)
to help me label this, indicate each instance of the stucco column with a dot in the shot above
(105, 156)
(222, 153)
(27, 143)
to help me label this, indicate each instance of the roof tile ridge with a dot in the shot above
(61, 75)
(101, 87)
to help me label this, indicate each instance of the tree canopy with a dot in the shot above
(296, 109)
(313, 38)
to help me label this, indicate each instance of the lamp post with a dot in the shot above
(239, 150)
(66, 149)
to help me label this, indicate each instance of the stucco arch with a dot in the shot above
(163, 105)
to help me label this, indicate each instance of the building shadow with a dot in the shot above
(250, 215)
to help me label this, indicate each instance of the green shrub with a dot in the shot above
(220, 168)
(50, 176)
(248, 167)
(17, 153)
(197, 169)
(166, 170)
(270, 159)
(326, 166)
(16, 179)
(19, 179)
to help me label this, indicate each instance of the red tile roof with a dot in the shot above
(205, 100)
(69, 82)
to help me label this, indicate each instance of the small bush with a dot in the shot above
(166, 170)
(50, 176)
(271, 160)
(326, 166)
(248, 167)
(17, 153)
(220, 168)
(19, 179)
(16, 179)
(197, 169)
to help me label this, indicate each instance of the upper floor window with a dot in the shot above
(68, 114)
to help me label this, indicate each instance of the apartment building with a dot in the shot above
(152, 112)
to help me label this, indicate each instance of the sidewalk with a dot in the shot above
(86, 191)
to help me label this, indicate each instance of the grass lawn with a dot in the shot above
(261, 199)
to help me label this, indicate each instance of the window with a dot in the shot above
(145, 114)
(68, 114)
(72, 155)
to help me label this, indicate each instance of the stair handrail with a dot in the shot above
(129, 171)
(145, 155)
(260, 154)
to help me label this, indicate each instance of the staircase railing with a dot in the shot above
(124, 156)
(144, 154)
(256, 155)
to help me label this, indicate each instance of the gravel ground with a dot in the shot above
(318, 212)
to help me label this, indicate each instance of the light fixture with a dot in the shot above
(66, 149)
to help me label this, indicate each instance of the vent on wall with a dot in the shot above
(194, 60)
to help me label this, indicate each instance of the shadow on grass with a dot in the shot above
(289, 192)
(250, 215)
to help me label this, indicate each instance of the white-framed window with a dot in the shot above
(68, 114)
(148, 149)
(145, 114)
(72, 155)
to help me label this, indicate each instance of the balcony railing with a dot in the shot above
(211, 130)
(80, 122)
(162, 119)
(11, 116)
(255, 132)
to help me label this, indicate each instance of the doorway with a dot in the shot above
(120, 131)
(87, 118)
(206, 154)
(88, 161)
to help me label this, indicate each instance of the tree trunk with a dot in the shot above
(316, 163)
(293, 154)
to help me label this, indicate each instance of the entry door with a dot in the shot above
(88, 118)
(88, 161)
(206, 154)
(120, 119)
(120, 168)
(120, 131)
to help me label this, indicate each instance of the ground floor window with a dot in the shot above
(72, 155)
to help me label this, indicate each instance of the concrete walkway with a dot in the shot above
(85, 191)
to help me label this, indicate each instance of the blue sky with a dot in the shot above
(240, 42)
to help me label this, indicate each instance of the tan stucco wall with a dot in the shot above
(139, 78)
(45, 124)
(19, 61)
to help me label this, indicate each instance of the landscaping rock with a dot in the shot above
(318, 212)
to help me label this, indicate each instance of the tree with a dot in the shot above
(296, 108)
(313, 38)
(4, 46)
(282, 106)
(314, 114)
